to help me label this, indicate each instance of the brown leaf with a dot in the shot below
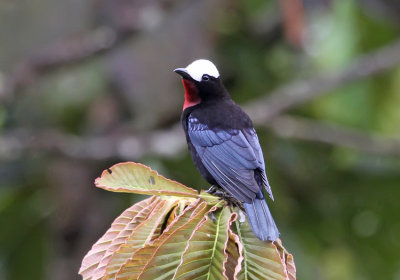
(171, 237)
(166, 257)
(95, 255)
(145, 257)
(139, 237)
(287, 260)
(233, 252)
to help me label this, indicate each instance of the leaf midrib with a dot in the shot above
(215, 244)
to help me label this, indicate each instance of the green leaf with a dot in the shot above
(262, 260)
(204, 256)
(212, 200)
(134, 177)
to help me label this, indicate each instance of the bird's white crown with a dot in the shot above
(199, 67)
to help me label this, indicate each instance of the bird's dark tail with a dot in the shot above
(260, 218)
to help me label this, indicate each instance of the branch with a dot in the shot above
(310, 130)
(77, 50)
(171, 142)
(165, 143)
(297, 93)
(64, 53)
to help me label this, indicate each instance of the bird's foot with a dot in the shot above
(212, 189)
(235, 203)
(219, 192)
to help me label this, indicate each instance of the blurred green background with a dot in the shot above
(87, 84)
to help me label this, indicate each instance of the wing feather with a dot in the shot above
(231, 156)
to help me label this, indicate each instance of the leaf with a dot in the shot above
(211, 199)
(166, 259)
(204, 256)
(287, 259)
(160, 259)
(262, 260)
(141, 236)
(134, 177)
(233, 251)
(120, 239)
(170, 237)
(290, 267)
(96, 254)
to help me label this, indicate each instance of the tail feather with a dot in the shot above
(261, 221)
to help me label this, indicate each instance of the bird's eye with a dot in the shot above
(206, 78)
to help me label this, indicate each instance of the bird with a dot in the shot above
(224, 145)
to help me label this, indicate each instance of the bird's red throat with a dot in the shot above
(191, 94)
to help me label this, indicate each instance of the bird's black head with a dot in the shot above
(202, 83)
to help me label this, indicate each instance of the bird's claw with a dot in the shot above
(223, 195)
(212, 189)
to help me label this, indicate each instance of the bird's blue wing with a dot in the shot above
(231, 156)
(252, 138)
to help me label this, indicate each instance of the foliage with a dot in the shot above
(179, 234)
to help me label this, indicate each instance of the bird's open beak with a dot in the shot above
(183, 73)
